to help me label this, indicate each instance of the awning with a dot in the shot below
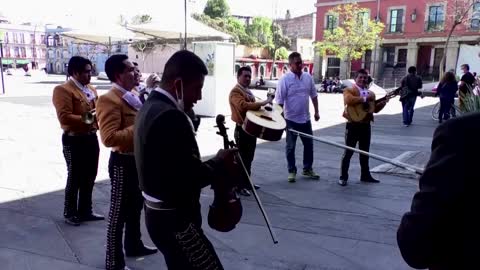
(22, 62)
(7, 61)
(100, 35)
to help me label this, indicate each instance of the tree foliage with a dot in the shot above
(144, 47)
(261, 32)
(457, 12)
(355, 33)
(217, 9)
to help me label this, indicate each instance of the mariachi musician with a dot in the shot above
(171, 172)
(241, 100)
(116, 111)
(73, 101)
(359, 130)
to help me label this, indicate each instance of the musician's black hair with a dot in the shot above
(361, 71)
(77, 64)
(412, 69)
(293, 55)
(242, 69)
(114, 65)
(185, 65)
(466, 66)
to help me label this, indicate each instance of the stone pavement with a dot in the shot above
(319, 224)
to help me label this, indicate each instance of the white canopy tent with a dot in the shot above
(175, 29)
(104, 35)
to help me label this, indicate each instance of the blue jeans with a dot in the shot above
(307, 145)
(408, 103)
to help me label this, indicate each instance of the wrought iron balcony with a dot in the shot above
(432, 26)
(394, 28)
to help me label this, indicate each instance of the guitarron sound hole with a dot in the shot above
(266, 117)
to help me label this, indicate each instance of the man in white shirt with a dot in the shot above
(293, 92)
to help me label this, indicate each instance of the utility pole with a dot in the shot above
(1, 61)
(377, 19)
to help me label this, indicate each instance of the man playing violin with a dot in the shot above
(171, 172)
(359, 131)
(241, 100)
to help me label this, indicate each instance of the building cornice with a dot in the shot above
(335, 3)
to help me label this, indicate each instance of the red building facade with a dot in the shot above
(415, 34)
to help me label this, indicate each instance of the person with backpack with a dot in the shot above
(408, 94)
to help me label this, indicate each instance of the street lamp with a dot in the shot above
(1, 61)
(413, 16)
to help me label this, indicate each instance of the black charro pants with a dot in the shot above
(181, 240)
(81, 154)
(126, 204)
(246, 144)
(356, 133)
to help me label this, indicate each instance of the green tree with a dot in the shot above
(145, 47)
(282, 54)
(217, 9)
(261, 31)
(352, 37)
(278, 41)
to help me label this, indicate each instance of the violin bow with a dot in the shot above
(220, 119)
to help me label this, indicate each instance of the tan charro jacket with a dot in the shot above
(116, 119)
(240, 103)
(351, 97)
(70, 103)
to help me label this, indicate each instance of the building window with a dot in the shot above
(333, 67)
(331, 22)
(396, 19)
(34, 52)
(7, 52)
(363, 18)
(436, 18)
(22, 38)
(32, 39)
(24, 52)
(475, 22)
(5, 39)
(15, 40)
(275, 72)
(17, 52)
(262, 70)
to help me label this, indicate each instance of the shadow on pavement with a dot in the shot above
(320, 225)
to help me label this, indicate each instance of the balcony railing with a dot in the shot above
(434, 26)
(394, 28)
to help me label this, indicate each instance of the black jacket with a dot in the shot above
(442, 229)
(167, 156)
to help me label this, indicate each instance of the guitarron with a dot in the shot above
(266, 123)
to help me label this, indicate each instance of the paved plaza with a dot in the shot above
(319, 224)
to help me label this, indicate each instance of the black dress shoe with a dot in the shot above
(73, 220)
(92, 217)
(257, 187)
(369, 180)
(244, 192)
(141, 251)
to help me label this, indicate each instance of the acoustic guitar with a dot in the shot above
(358, 112)
(266, 123)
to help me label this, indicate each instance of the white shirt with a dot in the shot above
(89, 93)
(294, 93)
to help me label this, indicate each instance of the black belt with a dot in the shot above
(159, 205)
(71, 133)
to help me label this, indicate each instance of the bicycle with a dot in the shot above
(454, 111)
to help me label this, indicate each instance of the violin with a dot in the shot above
(226, 209)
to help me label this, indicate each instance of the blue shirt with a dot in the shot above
(294, 93)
